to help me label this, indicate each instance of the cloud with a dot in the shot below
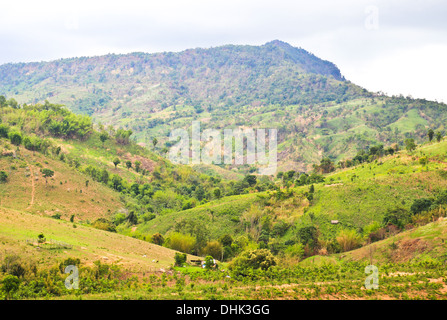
(339, 31)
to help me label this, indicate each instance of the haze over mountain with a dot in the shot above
(317, 111)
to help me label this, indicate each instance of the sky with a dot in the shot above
(392, 46)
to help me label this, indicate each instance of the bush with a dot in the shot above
(398, 217)
(253, 259)
(10, 284)
(296, 250)
(157, 238)
(3, 176)
(420, 205)
(349, 240)
(104, 224)
(308, 236)
(181, 242)
(180, 259)
(214, 249)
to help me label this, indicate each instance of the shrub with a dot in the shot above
(157, 238)
(214, 249)
(181, 242)
(296, 250)
(10, 284)
(3, 176)
(180, 259)
(104, 224)
(308, 236)
(254, 259)
(420, 205)
(349, 240)
(398, 217)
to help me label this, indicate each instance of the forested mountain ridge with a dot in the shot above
(317, 112)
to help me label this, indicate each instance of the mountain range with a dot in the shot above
(318, 113)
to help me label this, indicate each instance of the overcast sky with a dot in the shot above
(398, 47)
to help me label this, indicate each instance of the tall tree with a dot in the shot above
(47, 173)
(116, 162)
(103, 137)
(431, 134)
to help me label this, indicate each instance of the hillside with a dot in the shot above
(316, 111)
(119, 208)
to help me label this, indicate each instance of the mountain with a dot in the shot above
(318, 113)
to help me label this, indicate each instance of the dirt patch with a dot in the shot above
(146, 163)
(408, 249)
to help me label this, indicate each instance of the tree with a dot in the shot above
(253, 259)
(181, 242)
(128, 164)
(438, 136)
(430, 133)
(132, 218)
(10, 284)
(103, 137)
(41, 238)
(15, 138)
(214, 249)
(117, 182)
(410, 145)
(180, 259)
(250, 179)
(3, 176)
(397, 216)
(217, 193)
(419, 205)
(349, 240)
(154, 142)
(209, 262)
(47, 173)
(157, 238)
(137, 166)
(308, 236)
(116, 162)
(4, 130)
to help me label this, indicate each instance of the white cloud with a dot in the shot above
(376, 58)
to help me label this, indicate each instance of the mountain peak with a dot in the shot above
(278, 43)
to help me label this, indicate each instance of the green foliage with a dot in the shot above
(4, 131)
(181, 242)
(16, 138)
(104, 224)
(410, 145)
(116, 162)
(158, 239)
(308, 236)
(419, 205)
(3, 176)
(349, 240)
(252, 260)
(47, 173)
(179, 259)
(397, 216)
(10, 284)
(213, 249)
